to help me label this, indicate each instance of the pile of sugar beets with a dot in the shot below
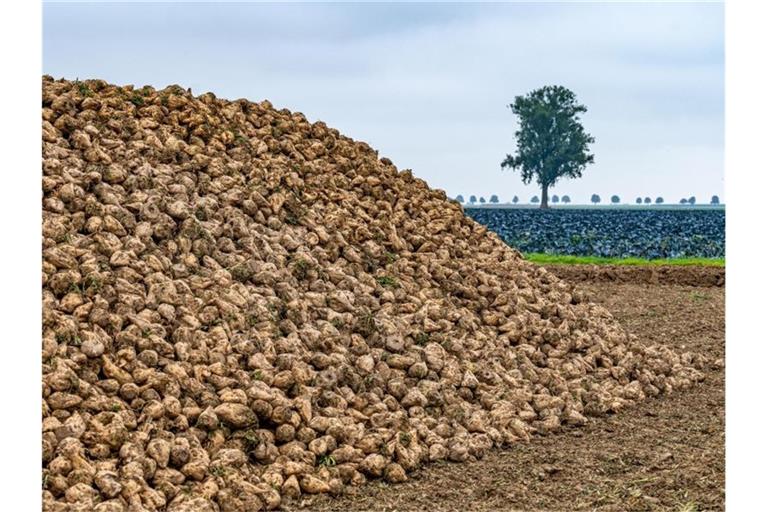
(241, 307)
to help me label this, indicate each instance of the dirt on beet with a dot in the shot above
(664, 454)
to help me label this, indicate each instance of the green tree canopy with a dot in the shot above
(715, 200)
(494, 199)
(639, 200)
(515, 199)
(595, 198)
(535, 199)
(555, 199)
(551, 142)
(472, 199)
(615, 199)
(659, 200)
(647, 200)
(460, 198)
(566, 199)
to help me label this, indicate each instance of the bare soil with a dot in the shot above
(651, 274)
(664, 454)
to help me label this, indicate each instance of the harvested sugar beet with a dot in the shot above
(241, 306)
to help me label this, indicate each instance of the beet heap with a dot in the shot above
(241, 306)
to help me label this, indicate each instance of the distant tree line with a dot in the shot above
(494, 199)
(595, 199)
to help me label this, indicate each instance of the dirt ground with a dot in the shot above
(664, 454)
(662, 274)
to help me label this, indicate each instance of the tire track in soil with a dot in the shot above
(664, 454)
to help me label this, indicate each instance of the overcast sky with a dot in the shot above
(428, 84)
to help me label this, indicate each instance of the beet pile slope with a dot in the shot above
(240, 306)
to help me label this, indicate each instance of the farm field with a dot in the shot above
(205, 352)
(420, 257)
(610, 233)
(664, 454)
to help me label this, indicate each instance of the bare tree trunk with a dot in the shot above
(544, 197)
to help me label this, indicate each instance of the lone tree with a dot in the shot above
(482, 200)
(494, 199)
(566, 199)
(647, 200)
(515, 200)
(551, 142)
(715, 200)
(683, 201)
(659, 200)
(472, 199)
(535, 199)
(615, 199)
(595, 198)
(692, 200)
(460, 198)
(639, 200)
(555, 199)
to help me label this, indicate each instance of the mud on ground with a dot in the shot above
(664, 454)
(661, 274)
